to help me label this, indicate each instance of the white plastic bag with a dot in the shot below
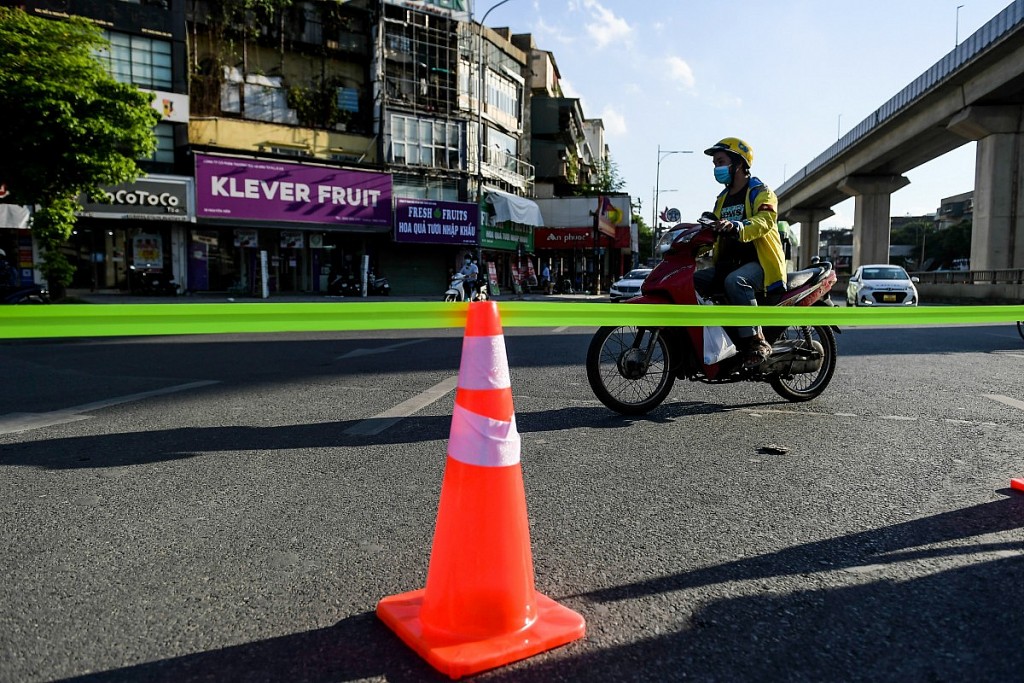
(717, 344)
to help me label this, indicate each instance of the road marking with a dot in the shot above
(378, 423)
(13, 423)
(355, 353)
(896, 418)
(560, 329)
(1006, 400)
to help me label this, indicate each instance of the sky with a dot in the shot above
(789, 77)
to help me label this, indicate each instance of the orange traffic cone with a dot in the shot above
(480, 609)
(1017, 484)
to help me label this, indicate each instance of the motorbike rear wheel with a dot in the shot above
(450, 297)
(620, 373)
(807, 385)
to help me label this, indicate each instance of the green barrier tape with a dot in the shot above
(34, 322)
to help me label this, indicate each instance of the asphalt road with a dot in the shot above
(232, 508)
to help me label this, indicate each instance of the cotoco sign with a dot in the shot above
(149, 198)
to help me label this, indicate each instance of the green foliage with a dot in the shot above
(57, 269)
(609, 178)
(70, 128)
(942, 247)
(317, 105)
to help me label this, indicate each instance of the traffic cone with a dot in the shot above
(479, 608)
(1017, 484)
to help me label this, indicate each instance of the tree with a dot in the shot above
(608, 179)
(70, 127)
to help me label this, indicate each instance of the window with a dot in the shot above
(164, 153)
(426, 142)
(145, 62)
(348, 99)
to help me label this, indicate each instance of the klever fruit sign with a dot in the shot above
(268, 190)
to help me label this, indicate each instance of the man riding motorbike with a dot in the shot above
(748, 256)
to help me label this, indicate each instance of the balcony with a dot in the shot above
(506, 167)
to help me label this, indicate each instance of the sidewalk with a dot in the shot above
(114, 296)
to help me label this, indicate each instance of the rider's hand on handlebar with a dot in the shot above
(724, 227)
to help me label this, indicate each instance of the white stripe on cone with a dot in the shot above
(484, 363)
(479, 440)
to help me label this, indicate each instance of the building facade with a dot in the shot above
(301, 145)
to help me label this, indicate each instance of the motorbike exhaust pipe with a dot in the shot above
(796, 359)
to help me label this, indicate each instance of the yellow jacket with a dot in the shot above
(760, 227)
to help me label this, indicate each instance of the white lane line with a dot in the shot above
(378, 423)
(559, 329)
(22, 422)
(1006, 400)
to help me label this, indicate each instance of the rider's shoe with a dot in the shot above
(754, 351)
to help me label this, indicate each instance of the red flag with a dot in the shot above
(607, 216)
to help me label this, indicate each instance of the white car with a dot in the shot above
(629, 285)
(881, 285)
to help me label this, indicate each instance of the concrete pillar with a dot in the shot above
(810, 222)
(997, 237)
(871, 218)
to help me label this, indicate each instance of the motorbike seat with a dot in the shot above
(800, 278)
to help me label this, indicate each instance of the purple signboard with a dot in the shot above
(425, 221)
(278, 191)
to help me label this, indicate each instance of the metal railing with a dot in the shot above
(515, 172)
(1009, 276)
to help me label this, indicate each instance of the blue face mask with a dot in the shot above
(723, 174)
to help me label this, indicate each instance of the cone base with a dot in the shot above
(457, 657)
(1017, 484)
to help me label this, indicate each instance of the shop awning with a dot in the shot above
(509, 207)
(13, 216)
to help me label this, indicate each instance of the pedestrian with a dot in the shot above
(747, 256)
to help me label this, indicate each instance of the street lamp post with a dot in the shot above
(956, 41)
(480, 103)
(657, 189)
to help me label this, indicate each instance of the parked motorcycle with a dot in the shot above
(24, 294)
(350, 285)
(377, 285)
(344, 285)
(151, 282)
(457, 290)
(632, 369)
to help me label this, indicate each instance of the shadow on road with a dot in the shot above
(355, 648)
(963, 623)
(140, 448)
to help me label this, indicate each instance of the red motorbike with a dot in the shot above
(632, 369)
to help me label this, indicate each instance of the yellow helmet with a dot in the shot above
(733, 146)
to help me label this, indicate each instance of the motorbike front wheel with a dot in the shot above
(451, 297)
(629, 369)
(807, 385)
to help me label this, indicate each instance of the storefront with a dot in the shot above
(17, 243)
(139, 227)
(432, 239)
(579, 255)
(315, 224)
(507, 225)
